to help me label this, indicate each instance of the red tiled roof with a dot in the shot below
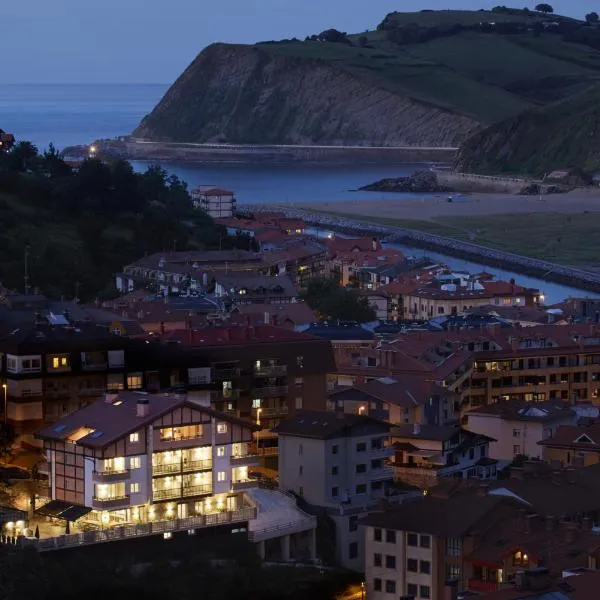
(566, 436)
(503, 288)
(338, 245)
(212, 192)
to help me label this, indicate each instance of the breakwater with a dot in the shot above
(571, 276)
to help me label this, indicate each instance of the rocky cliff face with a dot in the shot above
(242, 94)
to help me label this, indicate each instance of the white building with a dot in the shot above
(216, 202)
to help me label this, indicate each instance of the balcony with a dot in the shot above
(269, 411)
(271, 371)
(110, 503)
(165, 469)
(94, 366)
(92, 391)
(226, 374)
(167, 494)
(182, 492)
(246, 460)
(197, 465)
(197, 490)
(55, 394)
(272, 391)
(243, 484)
(477, 585)
(110, 476)
(381, 473)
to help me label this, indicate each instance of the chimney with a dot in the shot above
(451, 589)
(142, 408)
(416, 429)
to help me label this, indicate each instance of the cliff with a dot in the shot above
(242, 94)
(558, 136)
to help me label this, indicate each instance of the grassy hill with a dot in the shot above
(559, 135)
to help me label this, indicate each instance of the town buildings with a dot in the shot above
(573, 445)
(7, 141)
(215, 202)
(248, 288)
(517, 427)
(337, 463)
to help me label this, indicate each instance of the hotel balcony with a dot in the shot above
(271, 371)
(182, 492)
(272, 391)
(197, 490)
(179, 467)
(197, 465)
(247, 460)
(243, 484)
(110, 503)
(111, 476)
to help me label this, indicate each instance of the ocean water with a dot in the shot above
(74, 114)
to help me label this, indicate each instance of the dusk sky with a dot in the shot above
(152, 41)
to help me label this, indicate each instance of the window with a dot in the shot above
(376, 486)
(221, 451)
(425, 541)
(390, 536)
(453, 546)
(256, 402)
(353, 523)
(221, 476)
(298, 402)
(424, 591)
(516, 450)
(135, 462)
(58, 362)
(377, 535)
(221, 427)
(361, 488)
(412, 565)
(516, 433)
(300, 361)
(134, 488)
(377, 560)
(377, 584)
(411, 590)
(362, 468)
(390, 587)
(300, 470)
(520, 559)
(377, 463)
(361, 447)
(134, 437)
(227, 389)
(335, 491)
(425, 567)
(453, 572)
(134, 381)
(412, 539)
(176, 434)
(298, 380)
(300, 449)
(334, 470)
(353, 550)
(390, 561)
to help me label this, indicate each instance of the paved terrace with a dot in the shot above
(580, 277)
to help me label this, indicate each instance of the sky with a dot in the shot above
(152, 41)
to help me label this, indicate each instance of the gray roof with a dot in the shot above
(438, 433)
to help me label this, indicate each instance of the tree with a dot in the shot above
(331, 301)
(545, 8)
(591, 18)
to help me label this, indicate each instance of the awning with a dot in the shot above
(60, 509)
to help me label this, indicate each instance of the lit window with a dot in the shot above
(221, 476)
(167, 535)
(134, 437)
(134, 381)
(134, 488)
(256, 403)
(221, 427)
(135, 462)
(221, 451)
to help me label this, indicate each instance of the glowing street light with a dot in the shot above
(93, 151)
(4, 387)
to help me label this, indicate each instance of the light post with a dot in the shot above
(4, 387)
(258, 411)
(362, 590)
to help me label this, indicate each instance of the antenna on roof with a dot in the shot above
(26, 271)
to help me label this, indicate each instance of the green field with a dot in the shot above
(566, 239)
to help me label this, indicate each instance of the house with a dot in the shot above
(142, 465)
(247, 288)
(573, 445)
(295, 315)
(336, 462)
(403, 400)
(518, 426)
(7, 141)
(425, 452)
(216, 202)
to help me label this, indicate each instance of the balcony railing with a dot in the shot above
(96, 391)
(226, 374)
(270, 411)
(167, 493)
(197, 490)
(244, 484)
(144, 530)
(108, 476)
(94, 366)
(112, 502)
(271, 391)
(271, 371)
(197, 465)
(181, 492)
(244, 460)
(179, 467)
(166, 468)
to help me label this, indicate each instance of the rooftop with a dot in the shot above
(517, 410)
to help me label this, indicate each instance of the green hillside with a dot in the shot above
(457, 61)
(559, 135)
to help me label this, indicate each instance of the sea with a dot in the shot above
(67, 115)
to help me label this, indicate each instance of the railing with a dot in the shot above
(197, 465)
(108, 503)
(246, 459)
(111, 475)
(95, 366)
(91, 391)
(304, 524)
(144, 530)
(200, 380)
(244, 484)
(270, 411)
(270, 391)
(166, 468)
(167, 493)
(225, 374)
(268, 451)
(271, 371)
(197, 490)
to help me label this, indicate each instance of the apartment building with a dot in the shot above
(52, 367)
(215, 202)
(133, 457)
(572, 445)
(337, 463)
(239, 288)
(517, 426)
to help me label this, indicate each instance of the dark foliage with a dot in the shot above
(331, 301)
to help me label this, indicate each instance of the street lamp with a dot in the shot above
(258, 411)
(362, 590)
(5, 402)
(92, 151)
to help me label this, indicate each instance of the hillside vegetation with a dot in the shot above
(81, 226)
(431, 78)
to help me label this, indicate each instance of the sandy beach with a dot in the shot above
(475, 204)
